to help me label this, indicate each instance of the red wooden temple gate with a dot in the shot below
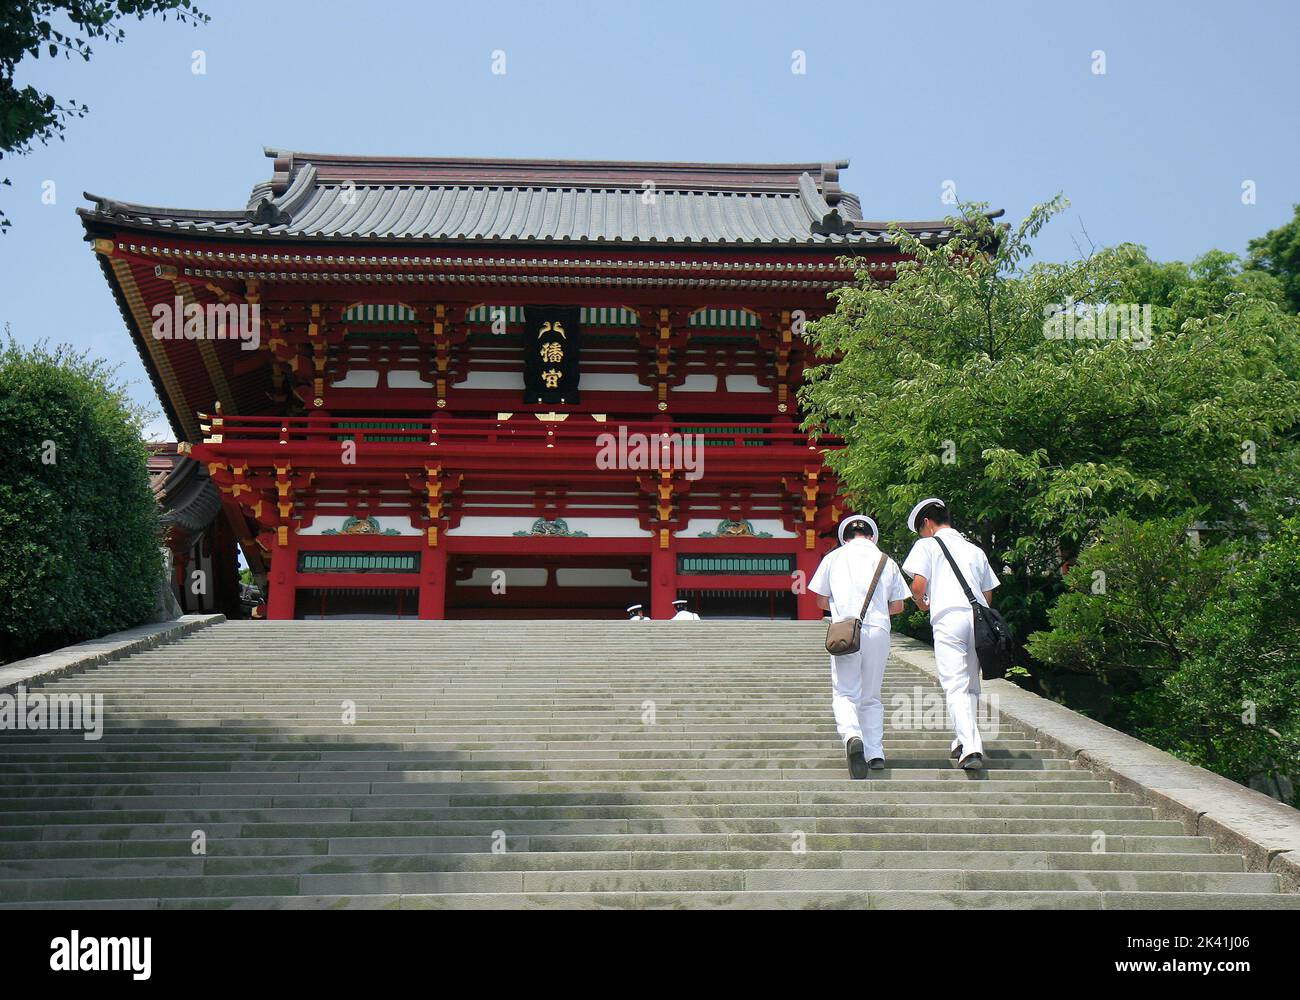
(347, 355)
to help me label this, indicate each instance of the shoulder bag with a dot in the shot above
(846, 636)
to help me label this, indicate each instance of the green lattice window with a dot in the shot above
(735, 565)
(727, 442)
(591, 316)
(379, 312)
(724, 319)
(417, 432)
(358, 562)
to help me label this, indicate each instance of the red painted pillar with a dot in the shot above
(283, 582)
(433, 583)
(663, 575)
(806, 561)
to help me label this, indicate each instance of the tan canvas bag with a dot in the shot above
(846, 636)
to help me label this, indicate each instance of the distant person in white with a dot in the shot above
(684, 614)
(634, 613)
(841, 584)
(936, 589)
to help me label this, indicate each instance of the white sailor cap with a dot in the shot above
(680, 600)
(875, 532)
(634, 607)
(911, 518)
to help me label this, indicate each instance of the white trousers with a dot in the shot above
(855, 691)
(959, 673)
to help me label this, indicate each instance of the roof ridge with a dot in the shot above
(272, 152)
(535, 173)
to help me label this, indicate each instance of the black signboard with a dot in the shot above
(552, 348)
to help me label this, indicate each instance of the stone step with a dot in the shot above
(470, 739)
(96, 797)
(501, 813)
(303, 826)
(20, 752)
(808, 899)
(618, 881)
(231, 845)
(707, 791)
(76, 747)
(560, 766)
(105, 865)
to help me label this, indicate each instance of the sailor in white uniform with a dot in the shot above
(936, 589)
(841, 583)
(681, 606)
(634, 613)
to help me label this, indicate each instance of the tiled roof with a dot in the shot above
(185, 495)
(315, 196)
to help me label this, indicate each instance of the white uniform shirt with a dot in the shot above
(844, 576)
(945, 594)
(685, 616)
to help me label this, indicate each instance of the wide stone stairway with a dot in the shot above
(554, 764)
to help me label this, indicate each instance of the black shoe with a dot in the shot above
(972, 762)
(876, 763)
(956, 752)
(857, 762)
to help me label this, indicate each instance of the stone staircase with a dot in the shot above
(554, 764)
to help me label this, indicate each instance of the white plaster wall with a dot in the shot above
(515, 576)
(611, 382)
(772, 525)
(745, 383)
(358, 378)
(493, 380)
(698, 383)
(596, 527)
(324, 522)
(407, 380)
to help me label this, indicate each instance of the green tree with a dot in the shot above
(948, 381)
(78, 522)
(1128, 595)
(1277, 252)
(36, 28)
(1238, 693)
(1200, 645)
(1180, 291)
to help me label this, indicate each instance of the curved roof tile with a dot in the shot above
(324, 196)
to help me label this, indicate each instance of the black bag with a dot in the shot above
(994, 643)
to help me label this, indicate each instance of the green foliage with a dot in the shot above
(1241, 684)
(1201, 645)
(1278, 253)
(1127, 595)
(944, 382)
(78, 522)
(36, 28)
(1096, 454)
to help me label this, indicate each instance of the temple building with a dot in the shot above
(477, 388)
(197, 540)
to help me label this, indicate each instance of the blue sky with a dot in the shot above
(999, 97)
